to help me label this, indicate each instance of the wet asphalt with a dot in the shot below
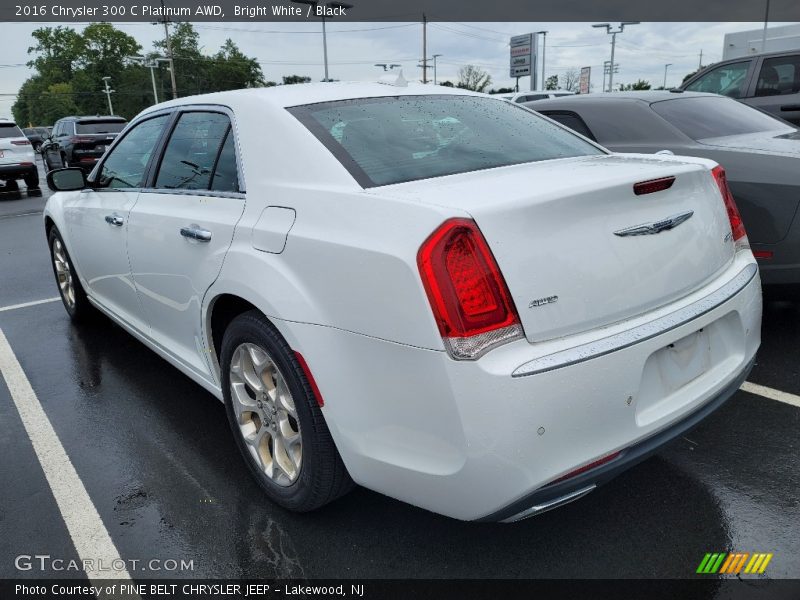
(158, 461)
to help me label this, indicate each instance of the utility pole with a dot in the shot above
(666, 66)
(424, 48)
(544, 47)
(169, 53)
(607, 27)
(764, 37)
(700, 65)
(435, 56)
(108, 91)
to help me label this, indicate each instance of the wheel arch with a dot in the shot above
(221, 309)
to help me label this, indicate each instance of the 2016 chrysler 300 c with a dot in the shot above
(440, 296)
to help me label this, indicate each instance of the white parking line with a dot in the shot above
(26, 304)
(89, 535)
(766, 392)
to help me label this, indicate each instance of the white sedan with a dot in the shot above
(436, 294)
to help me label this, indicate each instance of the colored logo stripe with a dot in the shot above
(733, 563)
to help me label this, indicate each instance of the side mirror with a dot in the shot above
(66, 180)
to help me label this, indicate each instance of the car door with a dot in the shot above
(97, 221)
(777, 87)
(181, 227)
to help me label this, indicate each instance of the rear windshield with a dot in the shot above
(99, 126)
(391, 140)
(710, 117)
(10, 130)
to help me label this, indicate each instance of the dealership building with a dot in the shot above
(745, 43)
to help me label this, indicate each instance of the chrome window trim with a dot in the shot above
(641, 333)
(189, 192)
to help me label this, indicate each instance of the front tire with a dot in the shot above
(69, 286)
(275, 418)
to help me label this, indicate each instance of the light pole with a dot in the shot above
(666, 66)
(152, 64)
(333, 5)
(435, 56)
(608, 29)
(108, 91)
(170, 57)
(544, 47)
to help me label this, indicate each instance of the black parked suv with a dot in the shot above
(770, 82)
(81, 141)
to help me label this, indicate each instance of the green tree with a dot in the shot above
(473, 78)
(55, 102)
(640, 85)
(292, 79)
(551, 83)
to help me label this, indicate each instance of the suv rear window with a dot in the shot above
(10, 130)
(709, 117)
(89, 127)
(387, 140)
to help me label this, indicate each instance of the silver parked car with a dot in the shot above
(761, 156)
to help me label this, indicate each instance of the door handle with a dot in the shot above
(789, 107)
(114, 220)
(195, 232)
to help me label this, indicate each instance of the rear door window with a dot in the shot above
(192, 151)
(779, 76)
(726, 80)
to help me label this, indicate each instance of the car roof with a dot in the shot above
(648, 97)
(284, 96)
(93, 118)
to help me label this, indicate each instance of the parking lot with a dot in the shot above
(159, 464)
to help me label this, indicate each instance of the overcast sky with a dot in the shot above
(353, 48)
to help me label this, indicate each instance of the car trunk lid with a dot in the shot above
(551, 227)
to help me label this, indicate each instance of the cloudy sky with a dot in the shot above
(354, 48)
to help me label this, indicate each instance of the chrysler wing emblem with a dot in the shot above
(657, 226)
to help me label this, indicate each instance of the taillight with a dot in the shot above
(20, 142)
(469, 297)
(737, 225)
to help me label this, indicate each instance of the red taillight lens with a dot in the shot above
(310, 377)
(589, 467)
(21, 143)
(763, 254)
(737, 225)
(469, 297)
(653, 185)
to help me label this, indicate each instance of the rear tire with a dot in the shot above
(70, 289)
(278, 425)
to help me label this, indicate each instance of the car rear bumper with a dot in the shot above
(17, 169)
(470, 440)
(559, 493)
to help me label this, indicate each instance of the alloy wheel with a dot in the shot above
(63, 274)
(266, 414)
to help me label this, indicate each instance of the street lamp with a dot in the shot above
(544, 47)
(333, 5)
(387, 66)
(608, 29)
(108, 91)
(666, 66)
(435, 56)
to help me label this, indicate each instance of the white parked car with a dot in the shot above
(531, 95)
(443, 297)
(17, 158)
